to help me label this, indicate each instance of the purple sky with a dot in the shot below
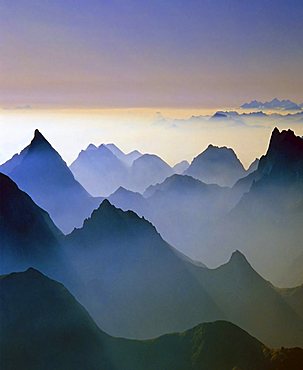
(102, 53)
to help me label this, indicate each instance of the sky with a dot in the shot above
(134, 53)
(95, 71)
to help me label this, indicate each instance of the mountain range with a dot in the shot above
(138, 286)
(99, 169)
(40, 171)
(179, 203)
(268, 218)
(260, 215)
(273, 104)
(35, 337)
(138, 259)
(102, 170)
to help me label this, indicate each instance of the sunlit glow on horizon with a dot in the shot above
(165, 132)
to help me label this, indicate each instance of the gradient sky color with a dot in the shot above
(102, 53)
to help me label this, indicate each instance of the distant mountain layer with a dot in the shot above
(104, 169)
(99, 170)
(44, 327)
(40, 171)
(273, 104)
(216, 165)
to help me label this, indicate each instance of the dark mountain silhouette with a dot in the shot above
(268, 219)
(147, 170)
(216, 165)
(40, 171)
(63, 336)
(247, 299)
(180, 167)
(28, 235)
(136, 285)
(44, 327)
(99, 170)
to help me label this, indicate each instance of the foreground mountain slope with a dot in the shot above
(216, 165)
(28, 235)
(65, 337)
(40, 171)
(135, 284)
(248, 299)
(43, 326)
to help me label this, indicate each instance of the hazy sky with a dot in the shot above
(136, 53)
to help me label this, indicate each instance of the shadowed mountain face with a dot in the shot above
(43, 326)
(269, 218)
(136, 285)
(252, 302)
(28, 235)
(67, 337)
(40, 171)
(180, 203)
(216, 166)
(253, 166)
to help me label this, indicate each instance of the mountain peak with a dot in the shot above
(286, 142)
(31, 271)
(237, 256)
(38, 136)
(106, 204)
(39, 140)
(91, 147)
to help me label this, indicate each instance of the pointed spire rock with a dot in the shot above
(39, 139)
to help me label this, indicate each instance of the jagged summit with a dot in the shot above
(285, 153)
(108, 215)
(285, 139)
